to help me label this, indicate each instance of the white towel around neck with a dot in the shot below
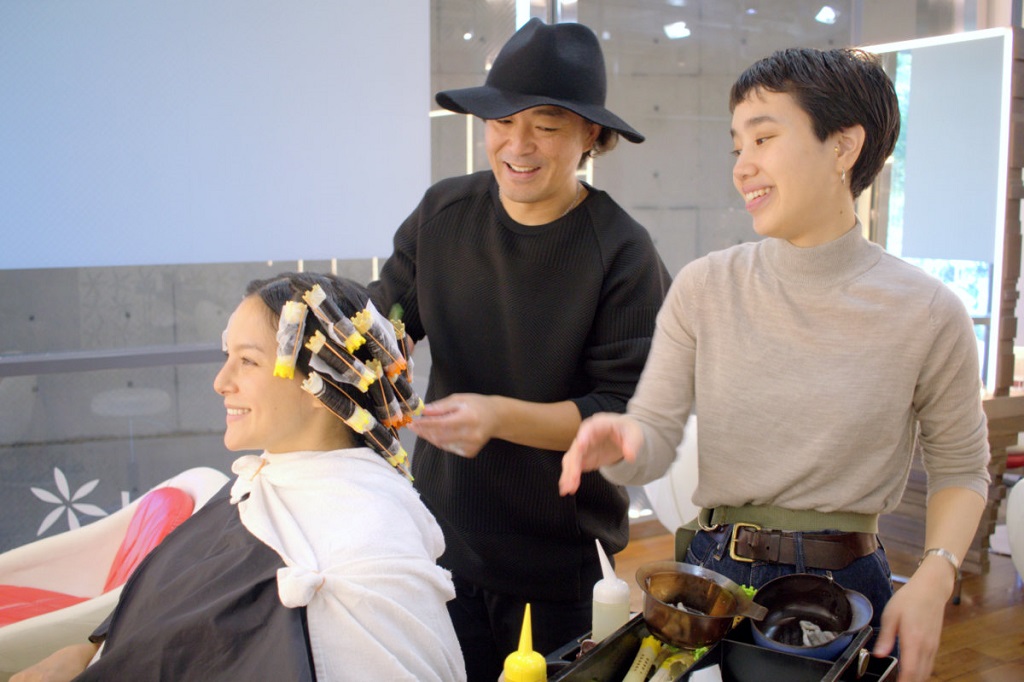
(359, 549)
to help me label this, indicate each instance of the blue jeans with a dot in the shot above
(870, 575)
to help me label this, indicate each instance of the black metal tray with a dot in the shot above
(739, 659)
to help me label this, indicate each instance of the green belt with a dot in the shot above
(776, 518)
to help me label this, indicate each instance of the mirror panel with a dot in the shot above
(941, 201)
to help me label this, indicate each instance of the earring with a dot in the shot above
(837, 150)
(842, 177)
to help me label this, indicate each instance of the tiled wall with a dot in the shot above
(126, 429)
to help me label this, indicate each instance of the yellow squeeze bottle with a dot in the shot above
(649, 648)
(674, 666)
(525, 665)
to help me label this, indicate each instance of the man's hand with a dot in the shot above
(461, 424)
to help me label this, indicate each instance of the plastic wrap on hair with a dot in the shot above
(386, 443)
(346, 367)
(403, 339)
(412, 404)
(385, 403)
(399, 328)
(377, 436)
(380, 335)
(394, 315)
(339, 327)
(290, 328)
(343, 407)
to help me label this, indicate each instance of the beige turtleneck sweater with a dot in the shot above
(810, 370)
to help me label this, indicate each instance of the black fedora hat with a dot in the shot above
(560, 65)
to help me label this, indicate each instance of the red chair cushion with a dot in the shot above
(18, 603)
(160, 511)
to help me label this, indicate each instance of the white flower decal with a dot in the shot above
(66, 501)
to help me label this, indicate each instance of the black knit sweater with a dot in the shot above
(563, 311)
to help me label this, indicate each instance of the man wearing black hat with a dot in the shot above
(539, 295)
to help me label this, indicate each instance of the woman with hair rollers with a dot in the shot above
(318, 561)
(818, 363)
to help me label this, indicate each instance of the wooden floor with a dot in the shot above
(983, 636)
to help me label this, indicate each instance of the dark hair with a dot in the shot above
(289, 286)
(387, 397)
(838, 89)
(606, 141)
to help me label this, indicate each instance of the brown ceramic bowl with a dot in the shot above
(689, 606)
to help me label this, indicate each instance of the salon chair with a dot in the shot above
(55, 591)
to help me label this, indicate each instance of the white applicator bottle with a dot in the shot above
(611, 600)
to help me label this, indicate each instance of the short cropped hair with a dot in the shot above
(838, 89)
(606, 141)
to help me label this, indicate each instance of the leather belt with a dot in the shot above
(827, 551)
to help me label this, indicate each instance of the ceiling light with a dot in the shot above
(826, 15)
(677, 30)
(468, 35)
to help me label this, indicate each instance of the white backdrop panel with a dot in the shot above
(152, 132)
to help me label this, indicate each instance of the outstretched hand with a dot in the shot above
(602, 439)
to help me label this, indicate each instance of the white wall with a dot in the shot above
(137, 132)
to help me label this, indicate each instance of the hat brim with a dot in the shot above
(490, 103)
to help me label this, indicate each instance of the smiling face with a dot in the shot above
(789, 179)
(265, 412)
(534, 155)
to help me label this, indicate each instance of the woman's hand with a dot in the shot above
(915, 614)
(602, 439)
(60, 666)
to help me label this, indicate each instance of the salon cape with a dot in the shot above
(359, 549)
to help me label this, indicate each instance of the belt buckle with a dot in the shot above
(707, 527)
(732, 542)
